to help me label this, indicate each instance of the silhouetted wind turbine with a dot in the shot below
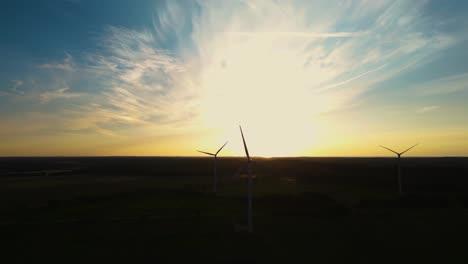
(249, 173)
(215, 156)
(400, 187)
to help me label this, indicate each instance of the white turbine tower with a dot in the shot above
(249, 173)
(400, 187)
(215, 156)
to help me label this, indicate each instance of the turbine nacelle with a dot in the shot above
(399, 153)
(400, 183)
(213, 154)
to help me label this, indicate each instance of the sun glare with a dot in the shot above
(263, 86)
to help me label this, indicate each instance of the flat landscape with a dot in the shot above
(142, 209)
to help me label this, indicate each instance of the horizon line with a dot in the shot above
(262, 157)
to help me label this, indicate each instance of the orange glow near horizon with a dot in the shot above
(301, 78)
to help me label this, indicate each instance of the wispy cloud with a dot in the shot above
(144, 83)
(66, 65)
(264, 47)
(353, 78)
(206, 64)
(442, 86)
(14, 89)
(268, 46)
(299, 34)
(426, 109)
(16, 84)
(57, 94)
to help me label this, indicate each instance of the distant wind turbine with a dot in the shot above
(400, 187)
(215, 156)
(249, 172)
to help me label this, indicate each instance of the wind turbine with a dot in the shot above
(215, 156)
(249, 173)
(400, 187)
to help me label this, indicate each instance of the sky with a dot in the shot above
(165, 78)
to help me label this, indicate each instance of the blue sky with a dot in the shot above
(149, 77)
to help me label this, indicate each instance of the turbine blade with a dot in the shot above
(409, 149)
(245, 145)
(207, 153)
(221, 148)
(390, 150)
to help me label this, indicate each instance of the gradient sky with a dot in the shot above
(304, 78)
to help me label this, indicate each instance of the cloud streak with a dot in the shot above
(143, 83)
(206, 65)
(442, 86)
(57, 94)
(353, 78)
(426, 109)
(67, 65)
(289, 34)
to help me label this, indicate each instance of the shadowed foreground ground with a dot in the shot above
(75, 210)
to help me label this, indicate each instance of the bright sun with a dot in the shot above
(257, 82)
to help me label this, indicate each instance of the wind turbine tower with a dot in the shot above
(249, 190)
(400, 187)
(215, 156)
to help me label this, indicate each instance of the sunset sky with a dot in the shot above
(164, 78)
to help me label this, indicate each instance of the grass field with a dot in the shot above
(322, 210)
